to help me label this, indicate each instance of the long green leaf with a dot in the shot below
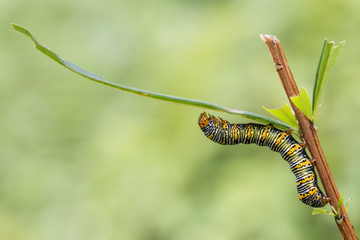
(99, 79)
(328, 57)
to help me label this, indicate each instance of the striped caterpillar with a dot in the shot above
(223, 132)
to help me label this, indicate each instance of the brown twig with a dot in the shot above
(309, 133)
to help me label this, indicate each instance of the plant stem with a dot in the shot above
(309, 133)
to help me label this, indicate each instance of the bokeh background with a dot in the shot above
(79, 160)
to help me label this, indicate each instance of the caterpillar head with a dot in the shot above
(203, 120)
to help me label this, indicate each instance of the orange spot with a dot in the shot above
(225, 124)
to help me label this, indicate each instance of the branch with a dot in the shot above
(309, 133)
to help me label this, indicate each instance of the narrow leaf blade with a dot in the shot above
(328, 57)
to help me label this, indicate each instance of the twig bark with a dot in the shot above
(309, 133)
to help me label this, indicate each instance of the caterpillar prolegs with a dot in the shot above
(223, 132)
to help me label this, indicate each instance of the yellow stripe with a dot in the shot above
(263, 135)
(278, 140)
(305, 180)
(248, 133)
(293, 149)
(310, 193)
(302, 164)
(235, 132)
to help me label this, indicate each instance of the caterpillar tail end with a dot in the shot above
(323, 202)
(326, 200)
(314, 198)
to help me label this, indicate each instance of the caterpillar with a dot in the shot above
(223, 132)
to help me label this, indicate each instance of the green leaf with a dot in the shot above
(286, 115)
(328, 57)
(193, 102)
(321, 211)
(302, 102)
(347, 204)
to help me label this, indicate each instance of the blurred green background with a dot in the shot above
(83, 161)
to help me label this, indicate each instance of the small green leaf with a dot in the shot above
(347, 204)
(318, 211)
(285, 114)
(302, 102)
(321, 211)
(328, 57)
